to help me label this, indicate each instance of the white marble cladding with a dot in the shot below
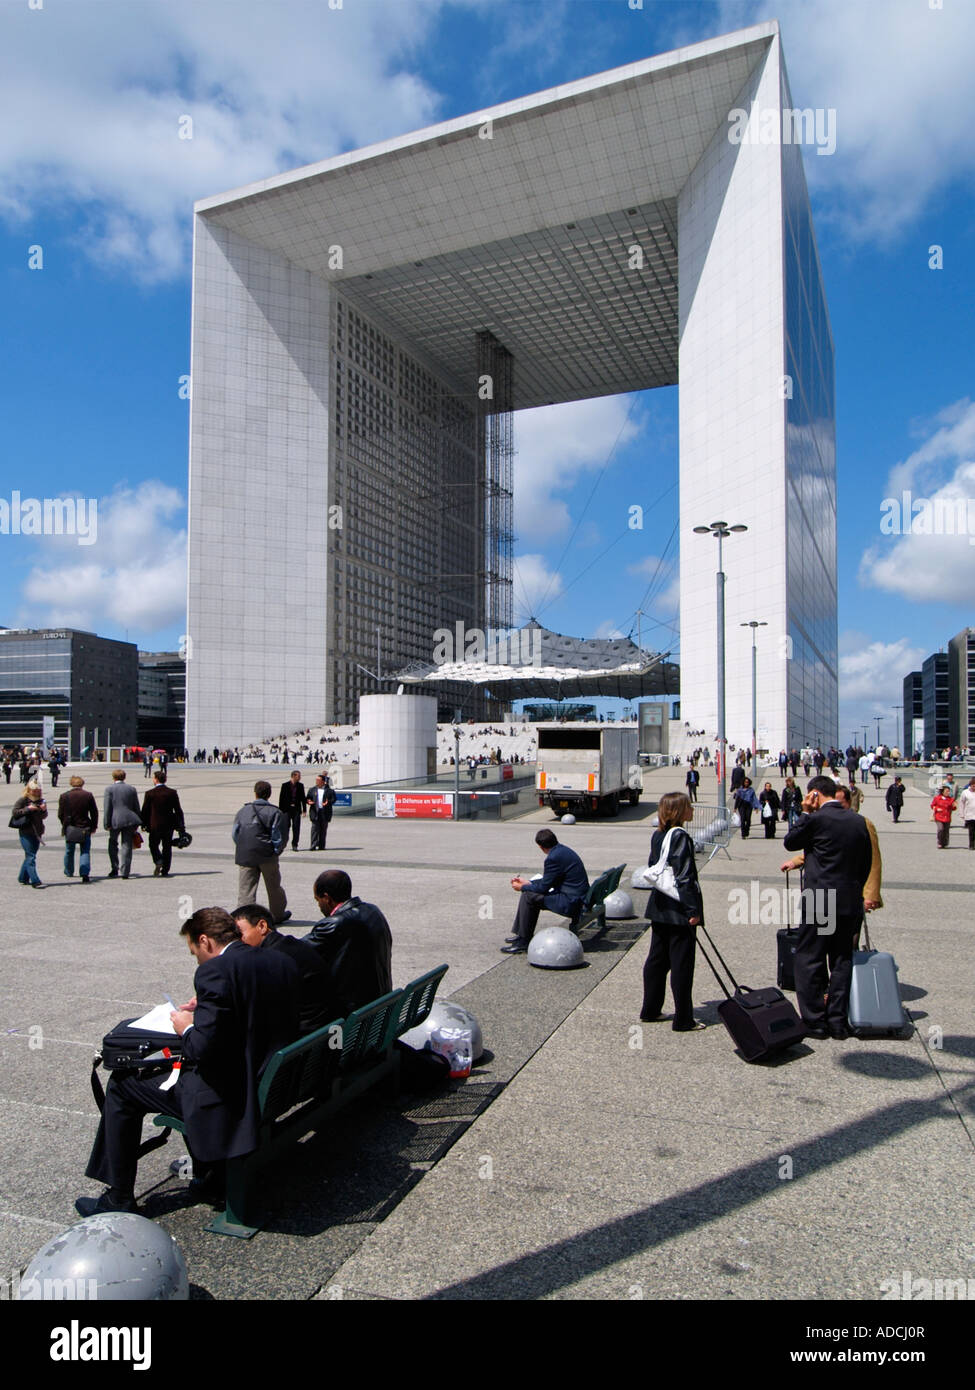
(732, 424)
(395, 732)
(258, 502)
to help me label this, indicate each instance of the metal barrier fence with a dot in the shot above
(711, 830)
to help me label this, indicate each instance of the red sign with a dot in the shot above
(416, 805)
(507, 772)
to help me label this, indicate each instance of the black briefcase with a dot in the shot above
(761, 1022)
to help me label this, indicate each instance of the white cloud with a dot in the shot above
(134, 576)
(608, 628)
(556, 445)
(899, 78)
(534, 584)
(937, 568)
(96, 94)
(875, 671)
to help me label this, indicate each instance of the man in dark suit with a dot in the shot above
(245, 1009)
(354, 942)
(162, 817)
(561, 889)
(292, 801)
(78, 815)
(838, 856)
(317, 1004)
(321, 799)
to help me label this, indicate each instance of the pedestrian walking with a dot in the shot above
(745, 803)
(27, 818)
(942, 808)
(894, 799)
(771, 806)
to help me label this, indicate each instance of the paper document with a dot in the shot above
(157, 1020)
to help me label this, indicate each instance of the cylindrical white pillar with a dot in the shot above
(395, 734)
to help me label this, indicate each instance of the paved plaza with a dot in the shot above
(588, 1156)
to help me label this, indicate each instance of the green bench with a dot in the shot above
(310, 1080)
(594, 903)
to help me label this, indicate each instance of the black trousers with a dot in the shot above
(531, 904)
(671, 949)
(161, 848)
(970, 826)
(295, 818)
(319, 831)
(115, 1152)
(769, 823)
(823, 967)
(746, 820)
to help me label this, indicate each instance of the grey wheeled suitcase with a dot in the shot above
(875, 997)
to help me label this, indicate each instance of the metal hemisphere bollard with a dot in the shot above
(555, 948)
(112, 1257)
(568, 818)
(618, 905)
(445, 1015)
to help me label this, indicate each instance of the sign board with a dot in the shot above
(507, 772)
(47, 737)
(343, 799)
(415, 805)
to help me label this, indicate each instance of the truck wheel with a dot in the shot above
(634, 798)
(613, 804)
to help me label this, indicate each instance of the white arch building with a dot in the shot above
(640, 228)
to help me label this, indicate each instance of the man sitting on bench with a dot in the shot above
(561, 889)
(354, 942)
(245, 1009)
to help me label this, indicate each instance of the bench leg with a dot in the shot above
(230, 1221)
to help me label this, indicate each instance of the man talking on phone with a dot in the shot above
(837, 865)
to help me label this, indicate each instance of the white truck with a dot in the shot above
(587, 770)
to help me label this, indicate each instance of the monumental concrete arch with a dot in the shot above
(364, 328)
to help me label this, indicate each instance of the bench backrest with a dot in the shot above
(600, 888)
(366, 1031)
(417, 1001)
(302, 1069)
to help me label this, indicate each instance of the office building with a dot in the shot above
(365, 330)
(87, 684)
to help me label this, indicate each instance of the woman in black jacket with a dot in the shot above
(32, 807)
(672, 944)
(770, 797)
(791, 802)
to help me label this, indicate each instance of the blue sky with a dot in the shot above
(97, 338)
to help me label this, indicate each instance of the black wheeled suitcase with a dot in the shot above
(761, 1022)
(786, 941)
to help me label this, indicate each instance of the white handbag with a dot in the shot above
(661, 873)
(767, 811)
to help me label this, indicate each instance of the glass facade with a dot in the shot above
(810, 449)
(85, 682)
(404, 471)
(935, 702)
(35, 680)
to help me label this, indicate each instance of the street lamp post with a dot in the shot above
(898, 732)
(721, 530)
(456, 769)
(878, 718)
(753, 625)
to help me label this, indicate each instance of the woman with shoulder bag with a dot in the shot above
(675, 909)
(27, 818)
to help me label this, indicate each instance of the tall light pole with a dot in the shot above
(878, 718)
(721, 530)
(898, 731)
(753, 625)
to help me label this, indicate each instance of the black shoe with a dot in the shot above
(93, 1206)
(113, 873)
(285, 917)
(840, 1033)
(816, 1032)
(517, 948)
(37, 885)
(85, 878)
(156, 871)
(511, 939)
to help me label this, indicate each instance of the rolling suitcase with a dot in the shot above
(761, 1022)
(875, 998)
(786, 940)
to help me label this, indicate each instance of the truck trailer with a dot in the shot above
(587, 771)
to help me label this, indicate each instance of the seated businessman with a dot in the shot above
(245, 1009)
(561, 889)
